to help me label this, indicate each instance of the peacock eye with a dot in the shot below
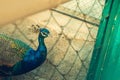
(44, 33)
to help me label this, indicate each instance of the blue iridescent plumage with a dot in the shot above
(17, 58)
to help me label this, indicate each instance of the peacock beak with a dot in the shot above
(49, 35)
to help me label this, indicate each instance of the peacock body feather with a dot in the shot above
(11, 50)
(17, 58)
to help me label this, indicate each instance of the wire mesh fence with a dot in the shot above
(73, 27)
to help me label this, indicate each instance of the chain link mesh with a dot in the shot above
(73, 28)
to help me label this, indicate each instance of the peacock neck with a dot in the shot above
(41, 42)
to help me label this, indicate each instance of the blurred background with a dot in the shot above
(73, 28)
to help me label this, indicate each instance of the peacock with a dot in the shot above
(16, 57)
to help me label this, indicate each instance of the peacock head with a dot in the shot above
(44, 32)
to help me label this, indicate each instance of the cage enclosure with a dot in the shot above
(73, 28)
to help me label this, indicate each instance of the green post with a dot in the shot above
(105, 62)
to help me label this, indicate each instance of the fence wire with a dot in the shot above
(73, 28)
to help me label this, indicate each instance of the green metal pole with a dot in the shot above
(105, 62)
